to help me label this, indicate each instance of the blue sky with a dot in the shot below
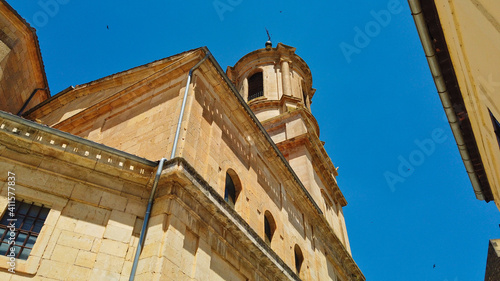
(373, 106)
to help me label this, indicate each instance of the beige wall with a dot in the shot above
(21, 70)
(95, 206)
(472, 32)
(262, 190)
(96, 211)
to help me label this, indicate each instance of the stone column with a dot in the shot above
(244, 90)
(285, 77)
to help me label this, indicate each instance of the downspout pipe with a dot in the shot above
(159, 170)
(29, 99)
(146, 219)
(183, 106)
(430, 53)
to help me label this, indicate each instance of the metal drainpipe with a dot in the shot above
(181, 115)
(423, 32)
(29, 99)
(159, 170)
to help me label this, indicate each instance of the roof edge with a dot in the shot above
(102, 79)
(431, 16)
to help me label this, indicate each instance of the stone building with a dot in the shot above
(493, 261)
(21, 65)
(461, 40)
(173, 170)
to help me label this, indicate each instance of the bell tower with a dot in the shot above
(277, 85)
(273, 79)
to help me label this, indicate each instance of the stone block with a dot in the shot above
(30, 177)
(120, 226)
(59, 185)
(89, 228)
(100, 179)
(114, 248)
(121, 219)
(127, 268)
(64, 254)
(85, 212)
(147, 265)
(76, 240)
(52, 217)
(172, 270)
(96, 246)
(66, 223)
(47, 252)
(54, 269)
(41, 197)
(137, 208)
(113, 201)
(117, 233)
(86, 259)
(32, 264)
(80, 273)
(86, 194)
(100, 274)
(43, 239)
(155, 229)
(109, 263)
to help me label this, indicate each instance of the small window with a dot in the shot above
(19, 228)
(299, 258)
(496, 127)
(269, 227)
(255, 86)
(232, 189)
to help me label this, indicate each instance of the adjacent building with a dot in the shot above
(461, 40)
(493, 261)
(173, 170)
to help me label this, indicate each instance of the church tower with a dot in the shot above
(277, 85)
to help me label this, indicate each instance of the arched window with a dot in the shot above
(255, 86)
(299, 258)
(232, 189)
(269, 227)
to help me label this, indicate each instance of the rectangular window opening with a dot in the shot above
(496, 127)
(20, 226)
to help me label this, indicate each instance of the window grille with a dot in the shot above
(19, 228)
(255, 86)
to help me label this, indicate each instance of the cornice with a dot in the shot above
(334, 246)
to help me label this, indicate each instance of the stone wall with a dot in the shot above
(493, 261)
(21, 68)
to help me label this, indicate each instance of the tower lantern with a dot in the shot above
(273, 80)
